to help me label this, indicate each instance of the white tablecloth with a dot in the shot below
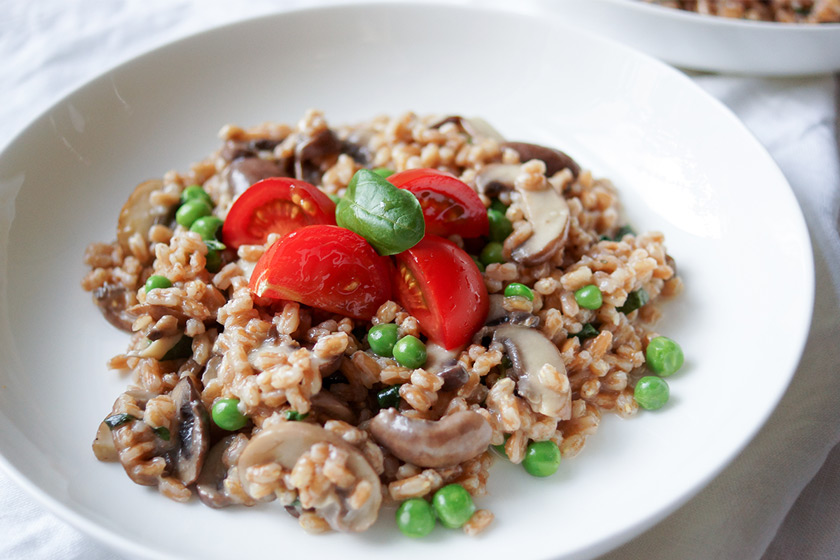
(780, 499)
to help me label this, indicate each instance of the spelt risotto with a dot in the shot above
(784, 11)
(340, 319)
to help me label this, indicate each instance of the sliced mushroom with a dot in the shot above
(545, 209)
(193, 438)
(245, 171)
(285, 442)
(314, 152)
(234, 149)
(210, 483)
(554, 160)
(474, 126)
(115, 302)
(138, 214)
(103, 445)
(444, 363)
(425, 443)
(157, 312)
(496, 178)
(326, 366)
(498, 315)
(548, 214)
(331, 407)
(529, 351)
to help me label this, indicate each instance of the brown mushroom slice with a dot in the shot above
(245, 171)
(193, 425)
(474, 126)
(103, 445)
(285, 442)
(444, 363)
(138, 214)
(313, 153)
(529, 351)
(210, 483)
(496, 177)
(554, 160)
(115, 302)
(331, 407)
(446, 442)
(548, 214)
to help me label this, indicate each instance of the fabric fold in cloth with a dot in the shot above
(766, 505)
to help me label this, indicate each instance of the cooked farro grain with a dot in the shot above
(785, 11)
(208, 339)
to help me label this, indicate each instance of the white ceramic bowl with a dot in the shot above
(683, 163)
(710, 43)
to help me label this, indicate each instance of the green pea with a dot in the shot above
(542, 458)
(415, 518)
(664, 356)
(214, 260)
(651, 392)
(207, 226)
(517, 289)
(500, 226)
(498, 206)
(410, 352)
(492, 253)
(453, 505)
(389, 398)
(226, 415)
(478, 263)
(382, 339)
(390, 219)
(156, 281)
(634, 301)
(383, 172)
(194, 192)
(192, 210)
(589, 297)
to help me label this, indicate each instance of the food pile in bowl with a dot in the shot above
(786, 11)
(339, 319)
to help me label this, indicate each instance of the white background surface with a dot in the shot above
(49, 47)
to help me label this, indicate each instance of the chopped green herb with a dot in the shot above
(181, 350)
(162, 432)
(116, 420)
(634, 301)
(588, 331)
(294, 415)
(389, 398)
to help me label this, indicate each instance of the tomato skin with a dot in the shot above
(450, 206)
(327, 267)
(442, 287)
(275, 205)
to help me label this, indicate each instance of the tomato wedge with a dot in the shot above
(442, 287)
(450, 206)
(275, 205)
(327, 267)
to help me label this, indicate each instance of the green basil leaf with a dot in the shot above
(390, 219)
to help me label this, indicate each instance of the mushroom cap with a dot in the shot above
(529, 352)
(138, 214)
(446, 442)
(193, 425)
(285, 442)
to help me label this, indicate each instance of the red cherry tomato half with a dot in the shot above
(442, 287)
(275, 205)
(450, 206)
(327, 267)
